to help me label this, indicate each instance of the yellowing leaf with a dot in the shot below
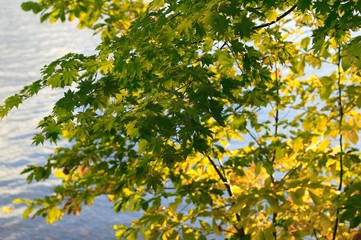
(352, 135)
(324, 145)
(307, 124)
(54, 81)
(65, 133)
(27, 212)
(127, 192)
(106, 66)
(297, 144)
(315, 198)
(143, 145)
(315, 140)
(224, 142)
(54, 215)
(305, 42)
(321, 122)
(333, 133)
(272, 15)
(216, 228)
(60, 174)
(297, 196)
(205, 226)
(111, 197)
(7, 209)
(184, 26)
(17, 201)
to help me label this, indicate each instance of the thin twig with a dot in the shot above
(315, 233)
(276, 117)
(230, 193)
(260, 146)
(223, 178)
(235, 57)
(340, 139)
(277, 19)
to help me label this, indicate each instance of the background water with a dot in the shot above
(26, 45)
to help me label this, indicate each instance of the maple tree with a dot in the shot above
(234, 118)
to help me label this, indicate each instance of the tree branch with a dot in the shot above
(277, 19)
(276, 117)
(340, 139)
(230, 192)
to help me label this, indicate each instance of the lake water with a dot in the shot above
(26, 46)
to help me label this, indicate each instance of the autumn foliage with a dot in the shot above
(232, 118)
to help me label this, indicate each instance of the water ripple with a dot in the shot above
(25, 47)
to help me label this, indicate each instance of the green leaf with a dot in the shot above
(351, 55)
(38, 138)
(216, 228)
(206, 227)
(154, 182)
(31, 6)
(143, 145)
(348, 214)
(69, 76)
(244, 28)
(358, 102)
(305, 43)
(200, 144)
(297, 196)
(346, 62)
(55, 81)
(218, 22)
(188, 233)
(3, 111)
(304, 5)
(355, 222)
(13, 101)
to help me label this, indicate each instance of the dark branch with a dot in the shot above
(341, 111)
(230, 192)
(278, 18)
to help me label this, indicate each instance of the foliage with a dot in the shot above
(234, 118)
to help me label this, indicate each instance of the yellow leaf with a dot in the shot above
(272, 15)
(106, 66)
(173, 207)
(7, 209)
(307, 125)
(236, 190)
(17, 201)
(324, 145)
(27, 212)
(352, 135)
(321, 124)
(60, 174)
(315, 140)
(297, 144)
(110, 197)
(127, 192)
(65, 133)
(224, 142)
(53, 215)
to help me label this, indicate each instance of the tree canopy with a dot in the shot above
(237, 118)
